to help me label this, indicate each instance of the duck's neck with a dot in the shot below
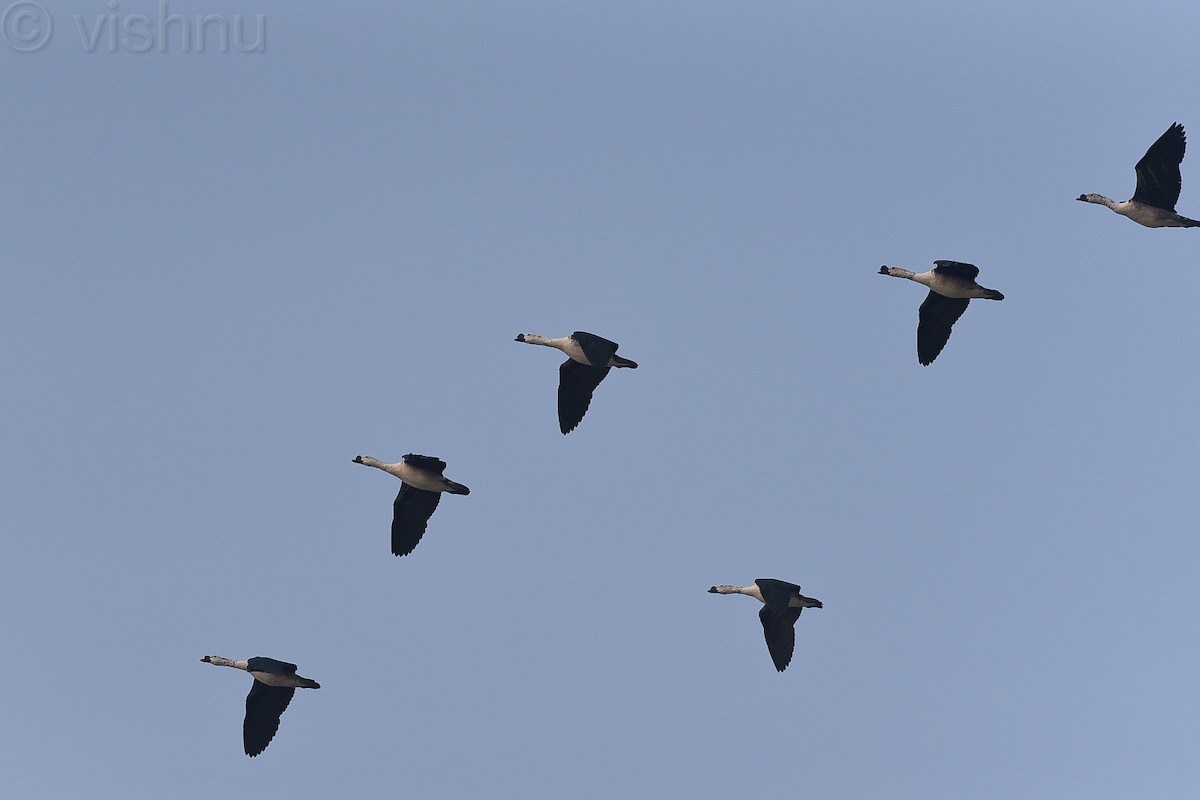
(751, 591)
(400, 469)
(558, 344)
(898, 272)
(220, 661)
(1100, 199)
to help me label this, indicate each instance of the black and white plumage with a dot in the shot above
(1158, 185)
(589, 358)
(275, 682)
(421, 487)
(782, 604)
(951, 287)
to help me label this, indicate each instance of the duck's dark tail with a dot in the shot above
(456, 488)
(617, 361)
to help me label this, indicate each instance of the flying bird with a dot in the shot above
(274, 684)
(421, 487)
(951, 287)
(589, 358)
(1158, 185)
(782, 604)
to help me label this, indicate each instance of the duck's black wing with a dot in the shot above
(937, 316)
(410, 516)
(576, 383)
(958, 269)
(264, 706)
(1158, 178)
(271, 665)
(779, 629)
(425, 462)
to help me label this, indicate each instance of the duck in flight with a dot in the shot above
(274, 684)
(421, 487)
(1158, 185)
(589, 358)
(951, 287)
(782, 604)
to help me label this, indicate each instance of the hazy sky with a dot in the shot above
(228, 273)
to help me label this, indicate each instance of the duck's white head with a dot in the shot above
(725, 588)
(369, 461)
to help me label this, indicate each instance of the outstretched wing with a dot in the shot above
(410, 515)
(576, 383)
(779, 629)
(264, 706)
(937, 316)
(1158, 178)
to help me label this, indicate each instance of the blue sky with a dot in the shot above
(228, 273)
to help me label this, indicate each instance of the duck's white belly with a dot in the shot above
(272, 679)
(417, 478)
(949, 286)
(1149, 216)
